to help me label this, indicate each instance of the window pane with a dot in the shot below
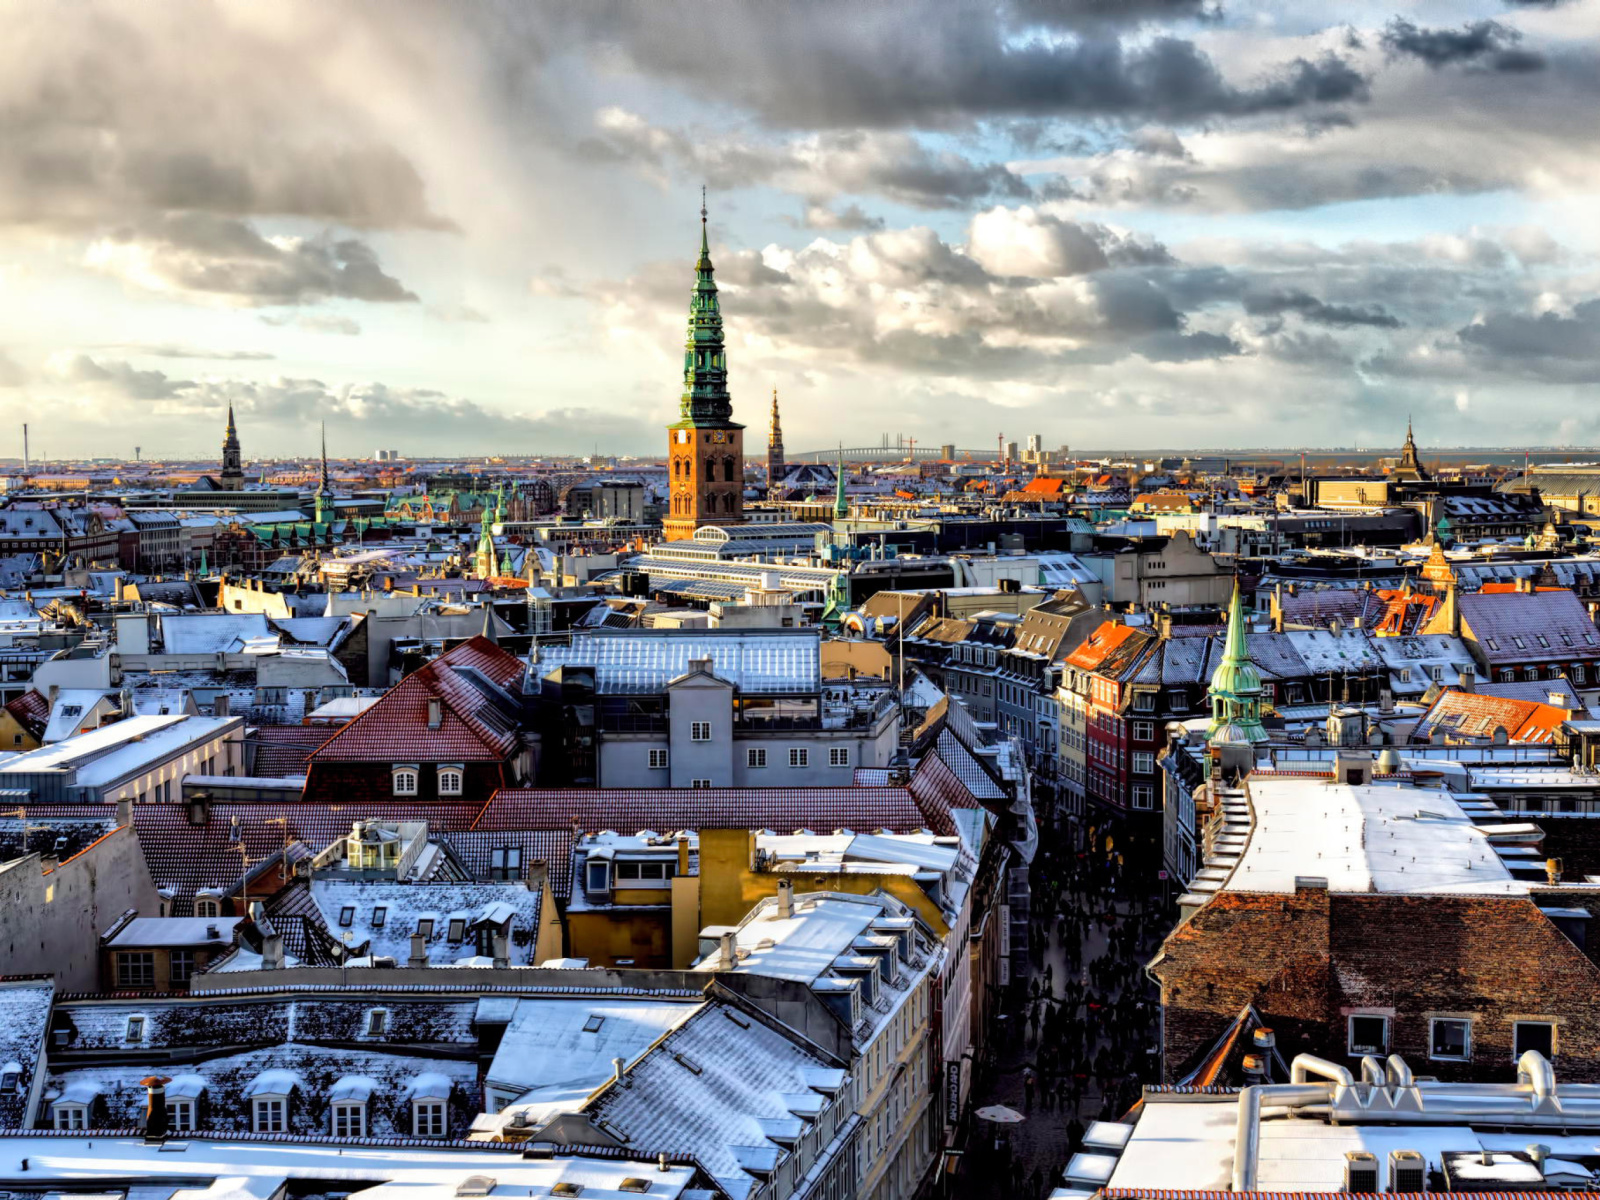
(1450, 1039)
(1535, 1035)
(1368, 1035)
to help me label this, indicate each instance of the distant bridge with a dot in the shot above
(889, 454)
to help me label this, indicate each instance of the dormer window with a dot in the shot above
(350, 1120)
(405, 780)
(597, 875)
(377, 1022)
(134, 1034)
(451, 780)
(70, 1116)
(11, 1079)
(207, 908)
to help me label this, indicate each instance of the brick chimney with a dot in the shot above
(155, 1107)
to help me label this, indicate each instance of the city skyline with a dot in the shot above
(473, 229)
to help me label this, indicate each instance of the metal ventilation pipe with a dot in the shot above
(1307, 1065)
(1399, 1073)
(1534, 1070)
(1372, 1071)
(1247, 1131)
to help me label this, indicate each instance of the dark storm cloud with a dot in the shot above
(110, 114)
(206, 255)
(1311, 309)
(118, 377)
(1481, 42)
(891, 164)
(848, 218)
(843, 63)
(1546, 336)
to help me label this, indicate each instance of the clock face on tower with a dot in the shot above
(719, 437)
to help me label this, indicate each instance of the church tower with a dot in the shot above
(705, 449)
(232, 477)
(1410, 466)
(775, 463)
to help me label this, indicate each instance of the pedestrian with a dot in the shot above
(1074, 1135)
(1028, 1084)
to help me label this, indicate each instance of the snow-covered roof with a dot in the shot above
(175, 931)
(214, 633)
(404, 905)
(260, 1168)
(1377, 838)
(555, 1052)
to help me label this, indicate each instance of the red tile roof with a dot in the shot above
(629, 810)
(396, 727)
(32, 712)
(283, 749)
(1102, 644)
(1469, 714)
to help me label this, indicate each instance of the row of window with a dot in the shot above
(756, 756)
(451, 780)
(137, 969)
(1449, 1038)
(1576, 672)
(270, 1114)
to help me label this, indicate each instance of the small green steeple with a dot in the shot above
(841, 507)
(324, 509)
(1236, 686)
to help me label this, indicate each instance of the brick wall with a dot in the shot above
(1307, 961)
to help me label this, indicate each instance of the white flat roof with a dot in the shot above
(1190, 1146)
(257, 1169)
(1366, 839)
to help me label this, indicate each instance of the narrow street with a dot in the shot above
(1084, 1042)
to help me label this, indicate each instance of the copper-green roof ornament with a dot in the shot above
(1236, 686)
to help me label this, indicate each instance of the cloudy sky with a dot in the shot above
(457, 228)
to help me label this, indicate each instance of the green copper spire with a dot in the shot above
(324, 509)
(841, 508)
(705, 364)
(1236, 686)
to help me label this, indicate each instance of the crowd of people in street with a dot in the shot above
(1081, 1039)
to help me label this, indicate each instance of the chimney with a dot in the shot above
(272, 951)
(683, 854)
(125, 812)
(616, 1069)
(1264, 1040)
(435, 712)
(1466, 681)
(785, 899)
(419, 951)
(155, 1107)
(49, 861)
(729, 957)
(502, 949)
(220, 705)
(1552, 871)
